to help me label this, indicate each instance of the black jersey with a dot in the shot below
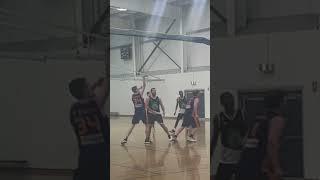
(154, 104)
(182, 102)
(233, 130)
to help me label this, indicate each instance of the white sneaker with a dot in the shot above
(172, 132)
(147, 142)
(173, 138)
(191, 139)
(124, 142)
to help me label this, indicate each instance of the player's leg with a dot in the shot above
(135, 120)
(159, 119)
(192, 130)
(148, 125)
(176, 123)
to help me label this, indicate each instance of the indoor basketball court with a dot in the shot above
(167, 43)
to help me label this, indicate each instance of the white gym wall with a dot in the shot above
(187, 55)
(296, 58)
(35, 107)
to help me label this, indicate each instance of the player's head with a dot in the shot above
(274, 100)
(79, 88)
(227, 100)
(153, 92)
(148, 93)
(134, 89)
(195, 93)
(181, 93)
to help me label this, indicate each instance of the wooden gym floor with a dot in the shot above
(162, 159)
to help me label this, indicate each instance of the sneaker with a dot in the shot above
(124, 141)
(147, 142)
(172, 131)
(173, 137)
(191, 139)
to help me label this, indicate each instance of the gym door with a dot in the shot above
(292, 141)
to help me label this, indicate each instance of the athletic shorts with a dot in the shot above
(226, 171)
(138, 116)
(250, 165)
(92, 164)
(189, 121)
(180, 116)
(154, 118)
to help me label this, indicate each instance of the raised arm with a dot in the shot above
(100, 89)
(143, 85)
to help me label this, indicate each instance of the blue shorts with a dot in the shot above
(188, 121)
(139, 115)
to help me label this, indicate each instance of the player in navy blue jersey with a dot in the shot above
(191, 117)
(91, 127)
(139, 111)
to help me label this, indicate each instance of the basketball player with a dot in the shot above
(139, 111)
(273, 131)
(250, 165)
(153, 105)
(231, 126)
(191, 117)
(90, 127)
(181, 101)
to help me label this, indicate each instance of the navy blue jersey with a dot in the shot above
(89, 124)
(138, 101)
(190, 105)
(233, 130)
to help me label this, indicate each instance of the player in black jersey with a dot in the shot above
(181, 102)
(153, 105)
(191, 117)
(145, 102)
(231, 127)
(250, 164)
(91, 128)
(139, 111)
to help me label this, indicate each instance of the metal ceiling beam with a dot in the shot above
(164, 52)
(147, 34)
(219, 15)
(154, 49)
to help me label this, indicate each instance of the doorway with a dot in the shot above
(292, 141)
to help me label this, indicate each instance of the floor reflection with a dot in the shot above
(160, 160)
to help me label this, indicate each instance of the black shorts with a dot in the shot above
(154, 118)
(139, 116)
(226, 171)
(180, 116)
(188, 121)
(250, 165)
(92, 164)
